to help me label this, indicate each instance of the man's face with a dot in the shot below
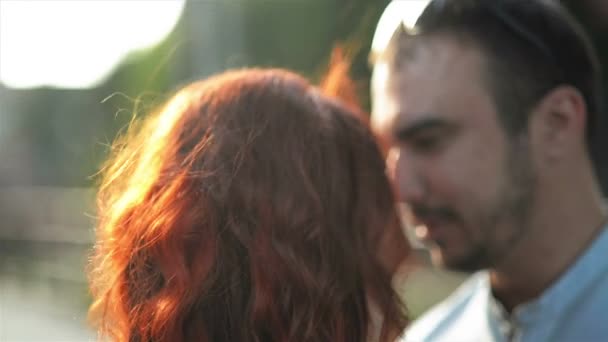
(464, 179)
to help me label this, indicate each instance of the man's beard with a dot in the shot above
(505, 221)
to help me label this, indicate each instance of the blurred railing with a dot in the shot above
(45, 235)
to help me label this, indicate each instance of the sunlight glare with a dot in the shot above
(397, 12)
(76, 44)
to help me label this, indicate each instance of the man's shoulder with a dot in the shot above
(442, 317)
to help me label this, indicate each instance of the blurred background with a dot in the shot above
(73, 72)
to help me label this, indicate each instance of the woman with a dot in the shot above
(249, 208)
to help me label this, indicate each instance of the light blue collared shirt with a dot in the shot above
(574, 309)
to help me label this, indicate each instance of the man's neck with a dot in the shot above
(555, 240)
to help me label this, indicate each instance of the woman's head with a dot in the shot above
(249, 208)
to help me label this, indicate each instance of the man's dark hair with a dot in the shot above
(531, 46)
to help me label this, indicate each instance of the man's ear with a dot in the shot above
(558, 122)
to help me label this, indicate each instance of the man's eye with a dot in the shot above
(426, 143)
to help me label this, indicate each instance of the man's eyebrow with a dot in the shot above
(406, 132)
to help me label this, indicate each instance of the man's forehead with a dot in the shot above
(443, 68)
(401, 96)
(384, 105)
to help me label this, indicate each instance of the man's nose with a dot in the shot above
(407, 176)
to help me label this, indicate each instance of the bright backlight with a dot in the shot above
(76, 44)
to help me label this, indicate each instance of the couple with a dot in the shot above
(253, 207)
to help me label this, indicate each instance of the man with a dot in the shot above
(489, 106)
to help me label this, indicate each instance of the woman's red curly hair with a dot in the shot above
(249, 208)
